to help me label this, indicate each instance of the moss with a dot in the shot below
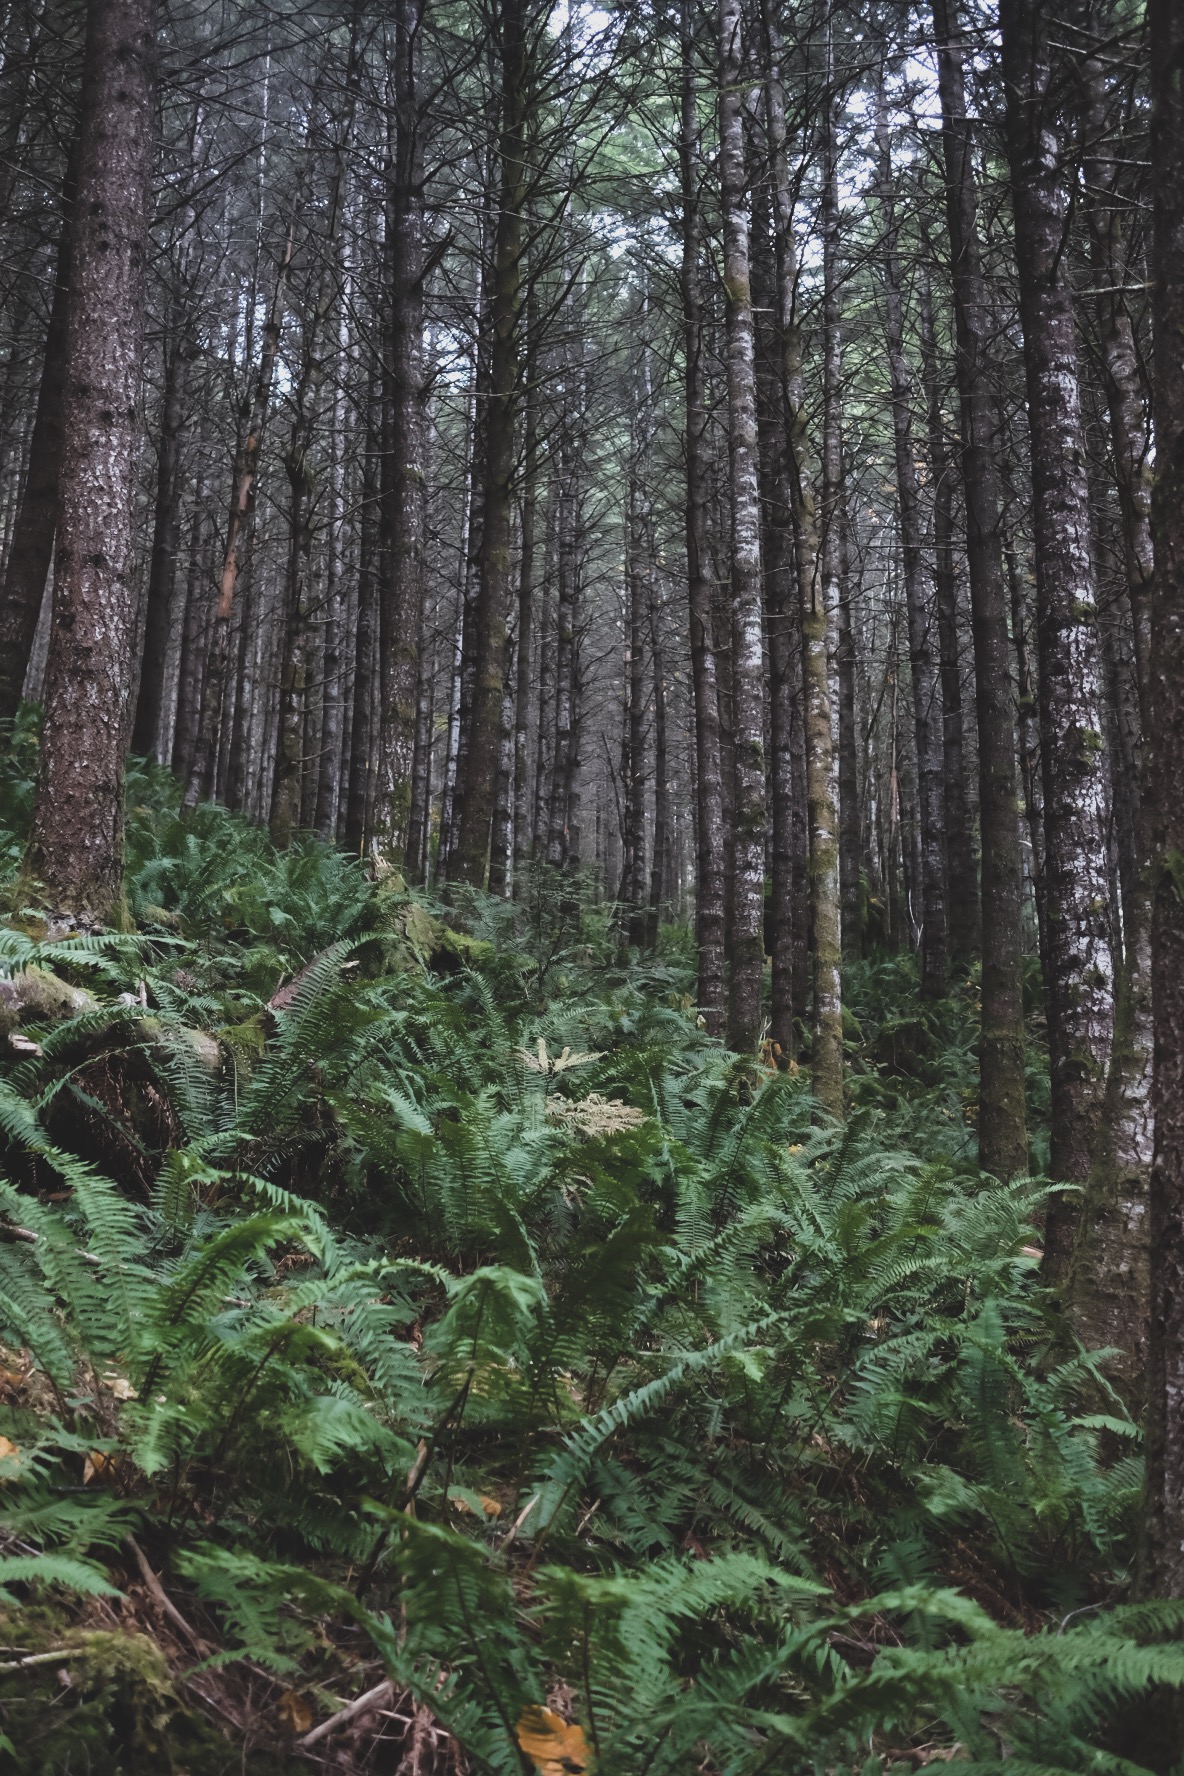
(111, 1707)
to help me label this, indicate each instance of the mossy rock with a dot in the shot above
(37, 996)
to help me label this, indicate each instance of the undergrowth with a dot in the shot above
(422, 1294)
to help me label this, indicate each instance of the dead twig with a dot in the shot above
(164, 1602)
(369, 1699)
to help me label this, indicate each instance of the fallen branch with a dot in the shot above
(55, 1655)
(163, 1600)
(369, 1699)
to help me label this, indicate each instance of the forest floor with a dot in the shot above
(424, 1350)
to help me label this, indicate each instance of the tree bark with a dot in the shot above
(31, 548)
(76, 848)
(634, 788)
(238, 530)
(927, 712)
(819, 592)
(1164, 1561)
(747, 945)
(483, 717)
(357, 809)
(523, 835)
(166, 539)
(709, 823)
(960, 864)
(330, 766)
(404, 491)
(1003, 1142)
(1080, 972)
(660, 860)
(194, 634)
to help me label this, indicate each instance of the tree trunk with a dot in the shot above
(329, 769)
(194, 634)
(31, 549)
(357, 831)
(76, 849)
(818, 590)
(1164, 1575)
(927, 713)
(558, 835)
(523, 836)
(1076, 793)
(502, 838)
(1003, 1142)
(634, 788)
(747, 945)
(960, 864)
(404, 492)
(162, 572)
(660, 861)
(485, 712)
(238, 530)
(782, 617)
(709, 822)
(419, 830)
(545, 739)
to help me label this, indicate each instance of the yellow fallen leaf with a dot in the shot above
(295, 1714)
(555, 1746)
(99, 1466)
(9, 1450)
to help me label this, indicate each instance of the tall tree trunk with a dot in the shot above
(31, 549)
(194, 633)
(1029, 742)
(483, 717)
(357, 811)
(1164, 1574)
(290, 791)
(238, 530)
(748, 719)
(558, 835)
(404, 494)
(1109, 1276)
(329, 768)
(419, 828)
(76, 848)
(660, 861)
(545, 739)
(634, 788)
(523, 835)
(709, 821)
(502, 838)
(818, 591)
(782, 615)
(1076, 813)
(166, 538)
(962, 874)
(1114, 276)
(851, 897)
(1002, 1132)
(927, 727)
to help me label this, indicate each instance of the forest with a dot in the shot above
(591, 887)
